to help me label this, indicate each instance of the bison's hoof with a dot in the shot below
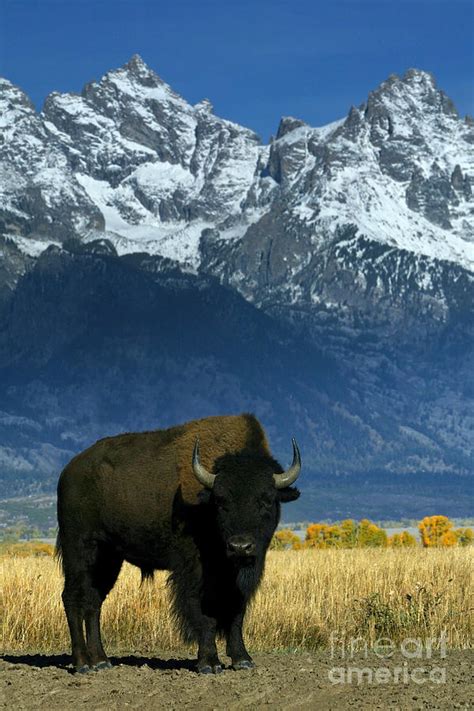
(102, 665)
(243, 664)
(85, 669)
(208, 669)
(205, 670)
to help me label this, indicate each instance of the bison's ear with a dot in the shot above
(290, 493)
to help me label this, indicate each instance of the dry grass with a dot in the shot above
(305, 597)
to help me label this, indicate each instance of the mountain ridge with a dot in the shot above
(354, 241)
(156, 172)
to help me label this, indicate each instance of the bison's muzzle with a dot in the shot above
(241, 546)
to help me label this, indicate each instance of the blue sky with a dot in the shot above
(255, 59)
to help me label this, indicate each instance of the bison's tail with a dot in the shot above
(58, 552)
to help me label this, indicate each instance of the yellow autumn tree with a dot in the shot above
(315, 537)
(448, 539)
(348, 534)
(401, 540)
(436, 531)
(323, 535)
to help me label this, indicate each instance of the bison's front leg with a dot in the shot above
(208, 661)
(236, 650)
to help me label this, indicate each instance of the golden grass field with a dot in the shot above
(305, 596)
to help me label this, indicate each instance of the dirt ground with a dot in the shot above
(280, 681)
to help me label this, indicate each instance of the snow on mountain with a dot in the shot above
(398, 167)
(132, 158)
(40, 199)
(158, 169)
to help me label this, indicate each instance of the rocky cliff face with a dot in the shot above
(356, 238)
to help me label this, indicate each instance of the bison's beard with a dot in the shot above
(248, 577)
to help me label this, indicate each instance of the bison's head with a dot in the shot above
(245, 491)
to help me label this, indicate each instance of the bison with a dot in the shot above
(201, 500)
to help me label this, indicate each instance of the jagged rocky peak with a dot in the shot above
(138, 71)
(132, 82)
(413, 78)
(409, 109)
(415, 92)
(17, 112)
(414, 81)
(205, 106)
(136, 65)
(354, 121)
(425, 85)
(11, 96)
(289, 124)
(127, 118)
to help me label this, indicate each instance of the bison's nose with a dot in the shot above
(241, 545)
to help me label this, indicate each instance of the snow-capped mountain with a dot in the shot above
(347, 212)
(132, 158)
(358, 237)
(369, 216)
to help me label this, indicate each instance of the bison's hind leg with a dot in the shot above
(103, 575)
(90, 574)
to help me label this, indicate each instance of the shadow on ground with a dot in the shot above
(63, 661)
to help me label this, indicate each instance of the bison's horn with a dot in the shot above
(202, 475)
(287, 478)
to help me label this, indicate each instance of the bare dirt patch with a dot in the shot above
(280, 681)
